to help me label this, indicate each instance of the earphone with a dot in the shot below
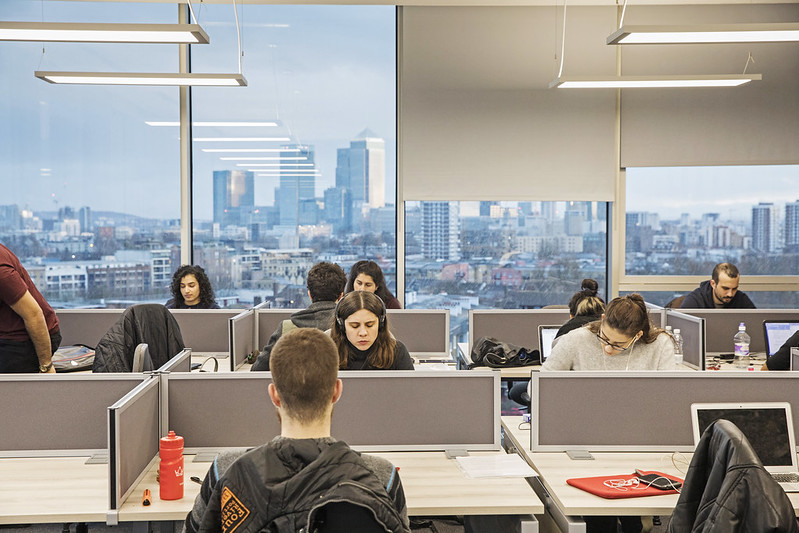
(381, 317)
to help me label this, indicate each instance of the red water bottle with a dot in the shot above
(170, 471)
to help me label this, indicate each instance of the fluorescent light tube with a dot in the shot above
(250, 150)
(710, 33)
(142, 78)
(103, 33)
(633, 82)
(217, 124)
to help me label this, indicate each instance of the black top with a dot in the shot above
(702, 298)
(357, 358)
(576, 322)
(171, 304)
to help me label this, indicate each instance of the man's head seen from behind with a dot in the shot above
(326, 282)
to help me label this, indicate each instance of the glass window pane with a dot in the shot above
(311, 173)
(90, 195)
(505, 255)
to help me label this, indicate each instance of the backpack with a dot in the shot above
(73, 358)
(488, 351)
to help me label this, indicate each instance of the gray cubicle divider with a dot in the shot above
(379, 410)
(425, 332)
(243, 338)
(721, 325)
(85, 326)
(640, 411)
(59, 415)
(133, 433)
(268, 321)
(692, 330)
(205, 331)
(179, 363)
(520, 326)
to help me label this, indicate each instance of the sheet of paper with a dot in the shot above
(499, 465)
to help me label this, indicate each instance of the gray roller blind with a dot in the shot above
(477, 120)
(754, 124)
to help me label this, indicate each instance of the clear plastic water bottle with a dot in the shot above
(677, 347)
(741, 340)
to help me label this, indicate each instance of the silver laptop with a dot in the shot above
(546, 334)
(769, 428)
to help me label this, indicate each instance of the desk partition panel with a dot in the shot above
(268, 321)
(85, 326)
(205, 331)
(721, 325)
(425, 332)
(243, 338)
(640, 411)
(379, 410)
(133, 433)
(179, 363)
(692, 330)
(60, 415)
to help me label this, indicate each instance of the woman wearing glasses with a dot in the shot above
(623, 339)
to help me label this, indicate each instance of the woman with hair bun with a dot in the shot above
(584, 307)
(623, 339)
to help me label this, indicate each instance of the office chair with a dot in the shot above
(142, 362)
(345, 517)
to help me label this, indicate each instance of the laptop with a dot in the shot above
(769, 428)
(776, 332)
(546, 334)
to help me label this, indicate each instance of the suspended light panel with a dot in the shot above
(635, 82)
(143, 78)
(702, 34)
(103, 32)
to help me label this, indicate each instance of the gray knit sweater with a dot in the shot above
(581, 350)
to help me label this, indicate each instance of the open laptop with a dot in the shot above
(776, 332)
(546, 334)
(769, 428)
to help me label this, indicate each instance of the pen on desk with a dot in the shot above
(145, 500)
(196, 480)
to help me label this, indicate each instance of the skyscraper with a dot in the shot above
(362, 169)
(234, 197)
(297, 184)
(765, 227)
(792, 226)
(338, 208)
(440, 231)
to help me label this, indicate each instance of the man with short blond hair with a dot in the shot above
(719, 292)
(280, 485)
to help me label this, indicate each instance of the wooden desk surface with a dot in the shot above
(39, 490)
(434, 485)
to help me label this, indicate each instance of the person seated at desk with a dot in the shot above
(719, 292)
(368, 276)
(191, 289)
(624, 339)
(362, 337)
(277, 484)
(781, 360)
(326, 282)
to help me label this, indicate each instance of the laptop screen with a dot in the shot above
(767, 426)
(546, 334)
(777, 332)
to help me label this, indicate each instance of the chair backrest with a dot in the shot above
(345, 517)
(675, 303)
(141, 359)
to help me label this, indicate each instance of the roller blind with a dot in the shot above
(754, 124)
(477, 120)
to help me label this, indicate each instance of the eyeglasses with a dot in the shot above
(618, 347)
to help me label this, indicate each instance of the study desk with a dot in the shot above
(36, 490)
(434, 486)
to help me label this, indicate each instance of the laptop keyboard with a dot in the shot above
(786, 478)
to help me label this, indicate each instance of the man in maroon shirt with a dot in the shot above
(28, 325)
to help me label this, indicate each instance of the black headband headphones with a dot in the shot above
(381, 317)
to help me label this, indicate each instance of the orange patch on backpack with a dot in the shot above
(233, 511)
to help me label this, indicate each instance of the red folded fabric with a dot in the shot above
(621, 486)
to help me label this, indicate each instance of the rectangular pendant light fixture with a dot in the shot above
(103, 32)
(633, 82)
(711, 33)
(142, 78)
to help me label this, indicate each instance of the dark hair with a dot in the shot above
(304, 366)
(628, 315)
(326, 282)
(207, 296)
(586, 301)
(373, 270)
(729, 270)
(382, 356)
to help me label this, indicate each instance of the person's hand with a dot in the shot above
(50, 371)
(764, 367)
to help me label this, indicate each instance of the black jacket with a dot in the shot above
(576, 322)
(278, 488)
(318, 315)
(727, 490)
(150, 323)
(702, 298)
(781, 360)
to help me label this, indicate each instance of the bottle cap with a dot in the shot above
(676, 330)
(171, 441)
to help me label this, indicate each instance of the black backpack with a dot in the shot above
(488, 351)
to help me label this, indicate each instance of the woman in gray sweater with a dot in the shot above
(624, 339)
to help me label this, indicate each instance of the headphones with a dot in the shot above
(381, 317)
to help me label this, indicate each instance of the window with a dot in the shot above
(505, 255)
